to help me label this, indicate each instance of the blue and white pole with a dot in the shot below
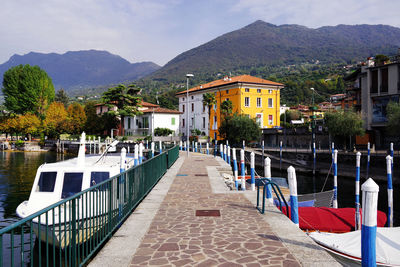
(389, 166)
(147, 144)
(195, 147)
(333, 151)
(128, 149)
(369, 220)
(140, 153)
(244, 143)
(225, 153)
(294, 206)
(242, 169)
(121, 180)
(180, 145)
(280, 155)
(160, 146)
(207, 149)
(235, 168)
(392, 154)
(152, 149)
(221, 150)
(267, 174)
(368, 158)
(314, 158)
(357, 224)
(228, 149)
(192, 146)
(200, 148)
(184, 146)
(335, 202)
(122, 160)
(252, 172)
(136, 155)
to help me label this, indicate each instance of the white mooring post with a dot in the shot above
(242, 169)
(280, 155)
(140, 153)
(235, 168)
(389, 166)
(267, 174)
(81, 151)
(369, 221)
(252, 171)
(335, 202)
(184, 146)
(200, 148)
(391, 154)
(208, 149)
(195, 147)
(136, 155)
(99, 144)
(228, 156)
(160, 146)
(294, 207)
(147, 144)
(333, 151)
(357, 224)
(152, 149)
(122, 160)
(180, 145)
(368, 158)
(221, 150)
(225, 153)
(244, 144)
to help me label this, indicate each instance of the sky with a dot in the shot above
(159, 30)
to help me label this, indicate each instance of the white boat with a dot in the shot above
(60, 180)
(347, 247)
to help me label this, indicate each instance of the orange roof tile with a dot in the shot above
(161, 110)
(236, 79)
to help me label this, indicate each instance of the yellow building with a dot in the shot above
(258, 98)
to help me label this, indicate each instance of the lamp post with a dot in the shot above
(187, 109)
(313, 127)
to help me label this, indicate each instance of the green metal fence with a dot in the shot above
(73, 229)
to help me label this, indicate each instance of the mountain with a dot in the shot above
(83, 69)
(261, 43)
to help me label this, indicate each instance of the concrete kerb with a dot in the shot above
(120, 249)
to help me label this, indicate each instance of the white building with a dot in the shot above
(198, 114)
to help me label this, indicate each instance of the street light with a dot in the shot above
(187, 109)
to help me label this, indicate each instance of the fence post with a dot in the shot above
(252, 167)
(235, 168)
(267, 174)
(294, 209)
(335, 202)
(389, 166)
(242, 168)
(368, 229)
(357, 225)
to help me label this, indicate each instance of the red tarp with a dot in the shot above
(330, 220)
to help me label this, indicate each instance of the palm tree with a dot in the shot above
(209, 100)
(226, 108)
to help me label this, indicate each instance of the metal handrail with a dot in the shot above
(74, 228)
(264, 182)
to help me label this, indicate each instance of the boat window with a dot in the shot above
(72, 184)
(47, 181)
(98, 177)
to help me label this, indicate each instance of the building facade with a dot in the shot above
(258, 98)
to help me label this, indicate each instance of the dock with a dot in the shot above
(191, 218)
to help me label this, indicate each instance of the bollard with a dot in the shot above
(160, 146)
(267, 174)
(333, 151)
(225, 153)
(136, 155)
(221, 151)
(242, 169)
(252, 172)
(228, 150)
(391, 154)
(389, 166)
(208, 149)
(235, 168)
(368, 229)
(280, 155)
(200, 148)
(140, 153)
(99, 144)
(294, 207)
(152, 150)
(180, 145)
(368, 158)
(195, 146)
(314, 158)
(122, 160)
(244, 144)
(128, 149)
(357, 225)
(335, 202)
(184, 146)
(147, 144)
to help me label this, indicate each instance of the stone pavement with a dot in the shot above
(240, 236)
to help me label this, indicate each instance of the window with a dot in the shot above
(259, 105)
(129, 123)
(47, 181)
(227, 91)
(192, 122)
(192, 107)
(259, 119)
(145, 122)
(215, 119)
(384, 80)
(98, 177)
(270, 119)
(227, 99)
(259, 91)
(137, 122)
(269, 91)
(72, 184)
(374, 81)
(192, 97)
(204, 108)
(247, 101)
(183, 123)
(204, 122)
(270, 103)
(183, 99)
(172, 121)
(246, 90)
(183, 108)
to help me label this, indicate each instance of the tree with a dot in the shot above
(344, 124)
(209, 100)
(125, 99)
(226, 108)
(239, 127)
(27, 89)
(76, 118)
(393, 116)
(62, 97)
(55, 121)
(162, 131)
(94, 123)
(381, 59)
(28, 124)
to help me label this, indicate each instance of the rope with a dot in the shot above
(326, 179)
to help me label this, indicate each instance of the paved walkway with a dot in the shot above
(240, 236)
